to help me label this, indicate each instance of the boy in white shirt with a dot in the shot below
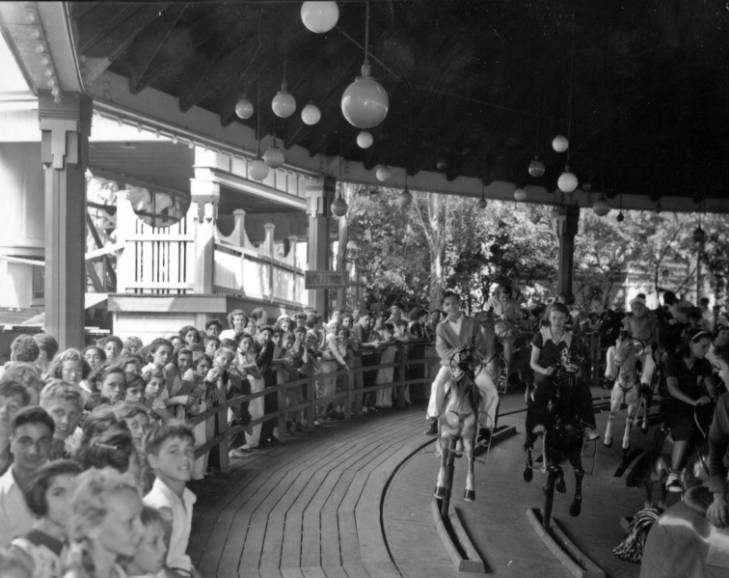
(170, 453)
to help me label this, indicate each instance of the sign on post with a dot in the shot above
(324, 279)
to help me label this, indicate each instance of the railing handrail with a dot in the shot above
(225, 431)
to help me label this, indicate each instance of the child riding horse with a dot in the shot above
(559, 408)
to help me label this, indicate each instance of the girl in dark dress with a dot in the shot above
(690, 385)
(553, 346)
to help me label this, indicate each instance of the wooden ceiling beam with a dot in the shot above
(236, 64)
(140, 77)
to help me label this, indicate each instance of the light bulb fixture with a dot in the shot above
(284, 103)
(567, 181)
(244, 108)
(482, 203)
(536, 168)
(310, 114)
(600, 207)
(365, 102)
(319, 17)
(273, 156)
(382, 173)
(620, 218)
(339, 206)
(257, 169)
(404, 198)
(364, 139)
(560, 143)
(520, 195)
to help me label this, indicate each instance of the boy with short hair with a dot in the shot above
(63, 402)
(47, 349)
(30, 443)
(170, 451)
(13, 397)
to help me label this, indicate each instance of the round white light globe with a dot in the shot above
(382, 173)
(567, 181)
(257, 170)
(560, 143)
(536, 168)
(364, 139)
(283, 104)
(520, 195)
(274, 157)
(600, 207)
(244, 108)
(319, 17)
(365, 102)
(310, 114)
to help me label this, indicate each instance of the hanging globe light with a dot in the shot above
(364, 139)
(365, 102)
(482, 203)
(404, 198)
(600, 207)
(310, 114)
(274, 156)
(319, 17)
(284, 103)
(244, 108)
(382, 173)
(536, 168)
(520, 195)
(339, 207)
(560, 143)
(567, 181)
(257, 169)
(620, 218)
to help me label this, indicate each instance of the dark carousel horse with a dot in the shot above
(552, 414)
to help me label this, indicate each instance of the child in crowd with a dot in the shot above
(154, 397)
(47, 349)
(132, 346)
(48, 496)
(63, 402)
(13, 397)
(112, 385)
(385, 375)
(135, 391)
(105, 524)
(112, 347)
(95, 357)
(170, 453)
(71, 365)
(149, 559)
(30, 443)
(132, 366)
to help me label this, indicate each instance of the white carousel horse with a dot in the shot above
(458, 421)
(626, 390)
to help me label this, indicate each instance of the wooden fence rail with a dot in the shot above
(347, 397)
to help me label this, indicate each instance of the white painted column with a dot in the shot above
(65, 127)
(205, 198)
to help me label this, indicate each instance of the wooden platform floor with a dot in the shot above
(352, 499)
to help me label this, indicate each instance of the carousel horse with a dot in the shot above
(459, 421)
(554, 418)
(626, 389)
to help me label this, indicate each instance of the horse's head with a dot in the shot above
(463, 363)
(626, 349)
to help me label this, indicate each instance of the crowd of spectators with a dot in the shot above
(97, 445)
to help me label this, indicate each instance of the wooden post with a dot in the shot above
(283, 414)
(65, 127)
(351, 384)
(223, 439)
(205, 196)
(319, 196)
(566, 222)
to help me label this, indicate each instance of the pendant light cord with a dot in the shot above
(367, 32)
(571, 87)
